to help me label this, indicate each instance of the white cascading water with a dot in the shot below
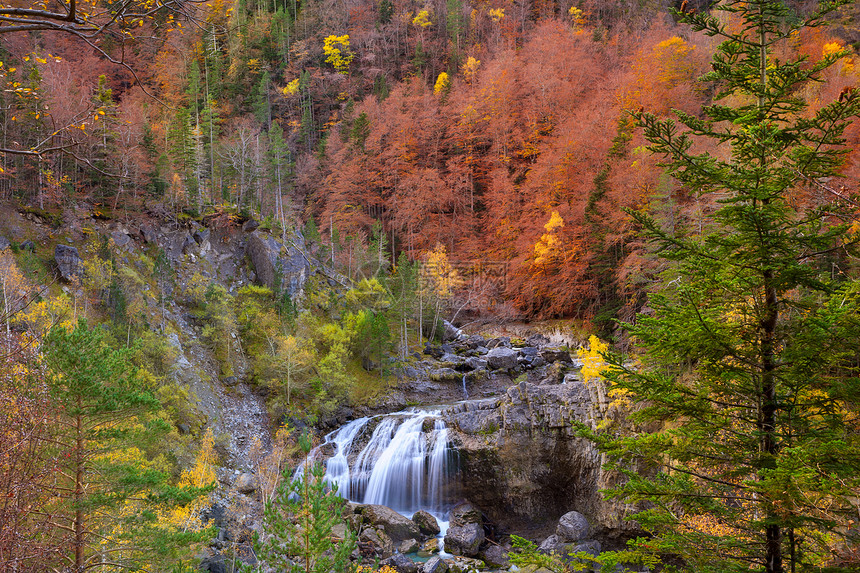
(402, 466)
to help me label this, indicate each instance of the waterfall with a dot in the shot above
(404, 464)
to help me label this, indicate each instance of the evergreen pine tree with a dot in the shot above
(748, 454)
(108, 492)
(300, 524)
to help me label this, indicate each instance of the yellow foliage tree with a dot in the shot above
(443, 84)
(470, 69)
(292, 88)
(440, 279)
(673, 60)
(338, 54)
(548, 246)
(200, 475)
(422, 20)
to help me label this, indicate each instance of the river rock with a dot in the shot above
(460, 564)
(69, 263)
(396, 526)
(400, 563)
(435, 565)
(464, 539)
(409, 546)
(431, 545)
(572, 526)
(381, 543)
(426, 523)
(502, 358)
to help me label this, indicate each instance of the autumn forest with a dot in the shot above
(312, 186)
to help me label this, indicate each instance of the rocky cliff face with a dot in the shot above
(522, 462)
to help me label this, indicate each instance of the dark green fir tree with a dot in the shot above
(748, 453)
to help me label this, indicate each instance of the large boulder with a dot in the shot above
(572, 526)
(396, 526)
(426, 523)
(464, 539)
(381, 544)
(274, 261)
(495, 557)
(69, 263)
(502, 358)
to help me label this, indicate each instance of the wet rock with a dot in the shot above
(431, 545)
(464, 539)
(524, 463)
(69, 263)
(246, 483)
(409, 546)
(396, 526)
(426, 523)
(435, 565)
(460, 564)
(572, 526)
(502, 358)
(400, 563)
(376, 538)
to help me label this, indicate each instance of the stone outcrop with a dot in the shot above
(522, 461)
(70, 266)
(274, 260)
